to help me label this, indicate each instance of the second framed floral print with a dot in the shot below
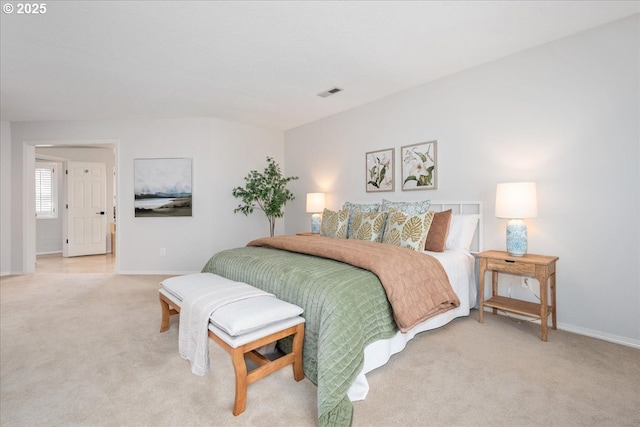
(420, 166)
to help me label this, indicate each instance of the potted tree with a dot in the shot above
(266, 191)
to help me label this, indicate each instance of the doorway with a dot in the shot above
(49, 258)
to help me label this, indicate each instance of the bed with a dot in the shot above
(353, 323)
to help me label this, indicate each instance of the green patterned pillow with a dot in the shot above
(410, 208)
(368, 226)
(358, 207)
(334, 224)
(407, 231)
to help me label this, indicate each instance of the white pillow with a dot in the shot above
(250, 314)
(461, 231)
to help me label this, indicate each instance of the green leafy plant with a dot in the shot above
(266, 191)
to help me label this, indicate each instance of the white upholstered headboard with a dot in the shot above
(465, 208)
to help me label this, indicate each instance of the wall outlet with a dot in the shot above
(163, 251)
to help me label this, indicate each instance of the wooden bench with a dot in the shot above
(247, 344)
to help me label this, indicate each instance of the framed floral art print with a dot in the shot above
(420, 166)
(380, 171)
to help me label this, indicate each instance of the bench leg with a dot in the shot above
(298, 339)
(240, 368)
(265, 366)
(167, 312)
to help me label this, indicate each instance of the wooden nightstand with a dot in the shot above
(542, 267)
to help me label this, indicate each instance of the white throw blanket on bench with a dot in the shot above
(195, 310)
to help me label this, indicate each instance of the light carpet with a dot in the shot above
(84, 350)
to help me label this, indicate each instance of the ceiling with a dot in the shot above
(260, 63)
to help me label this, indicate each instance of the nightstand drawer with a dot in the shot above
(511, 266)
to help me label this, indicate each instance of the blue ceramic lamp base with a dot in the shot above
(516, 237)
(315, 223)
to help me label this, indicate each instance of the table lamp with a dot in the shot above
(516, 201)
(315, 205)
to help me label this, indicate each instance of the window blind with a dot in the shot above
(46, 194)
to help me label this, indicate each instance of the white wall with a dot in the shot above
(223, 153)
(565, 115)
(5, 198)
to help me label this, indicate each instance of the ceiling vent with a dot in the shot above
(330, 92)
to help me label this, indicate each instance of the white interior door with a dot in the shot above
(86, 220)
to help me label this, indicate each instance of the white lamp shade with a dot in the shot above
(516, 200)
(315, 202)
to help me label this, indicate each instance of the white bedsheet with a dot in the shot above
(460, 268)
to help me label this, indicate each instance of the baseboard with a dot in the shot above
(600, 335)
(629, 342)
(48, 253)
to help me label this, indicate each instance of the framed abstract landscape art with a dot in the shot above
(162, 187)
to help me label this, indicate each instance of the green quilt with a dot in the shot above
(345, 309)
